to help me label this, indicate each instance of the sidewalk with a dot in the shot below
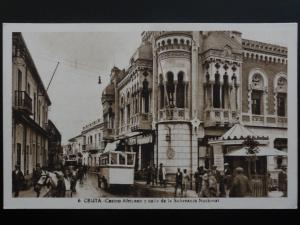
(159, 191)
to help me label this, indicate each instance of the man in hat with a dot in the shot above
(240, 185)
(227, 178)
(178, 180)
(17, 180)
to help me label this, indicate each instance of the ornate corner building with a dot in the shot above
(183, 88)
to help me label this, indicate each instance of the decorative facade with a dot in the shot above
(183, 88)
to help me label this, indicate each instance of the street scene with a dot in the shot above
(154, 114)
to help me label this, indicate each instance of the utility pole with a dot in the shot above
(52, 75)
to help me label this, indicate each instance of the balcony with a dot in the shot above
(219, 117)
(265, 121)
(92, 148)
(174, 114)
(23, 102)
(141, 121)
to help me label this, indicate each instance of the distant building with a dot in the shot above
(182, 89)
(93, 143)
(87, 146)
(30, 103)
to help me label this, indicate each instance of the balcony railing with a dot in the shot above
(262, 120)
(93, 147)
(23, 101)
(174, 114)
(141, 121)
(220, 117)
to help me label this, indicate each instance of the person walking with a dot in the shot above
(227, 180)
(178, 181)
(154, 175)
(148, 174)
(216, 173)
(36, 175)
(185, 183)
(80, 174)
(17, 180)
(213, 184)
(73, 180)
(61, 186)
(282, 181)
(198, 179)
(204, 192)
(67, 179)
(240, 186)
(162, 175)
(85, 171)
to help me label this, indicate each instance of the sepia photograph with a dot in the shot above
(121, 116)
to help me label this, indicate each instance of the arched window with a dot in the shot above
(145, 94)
(225, 91)
(162, 91)
(281, 95)
(216, 91)
(180, 91)
(257, 94)
(170, 88)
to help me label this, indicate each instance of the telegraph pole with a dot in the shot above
(52, 75)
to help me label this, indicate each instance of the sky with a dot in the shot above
(74, 91)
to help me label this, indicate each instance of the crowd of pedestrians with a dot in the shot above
(60, 183)
(207, 182)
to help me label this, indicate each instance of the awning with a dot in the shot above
(132, 134)
(236, 135)
(111, 146)
(262, 151)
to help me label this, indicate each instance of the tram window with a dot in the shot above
(130, 159)
(122, 159)
(114, 158)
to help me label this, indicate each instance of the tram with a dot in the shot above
(116, 167)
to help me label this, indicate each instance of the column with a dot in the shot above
(212, 95)
(155, 99)
(175, 94)
(195, 42)
(140, 158)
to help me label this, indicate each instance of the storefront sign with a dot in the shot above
(132, 141)
(144, 139)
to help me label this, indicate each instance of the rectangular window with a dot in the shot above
(28, 89)
(256, 102)
(128, 114)
(19, 80)
(281, 105)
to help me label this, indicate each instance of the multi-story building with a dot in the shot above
(75, 147)
(87, 146)
(30, 103)
(55, 152)
(183, 88)
(93, 143)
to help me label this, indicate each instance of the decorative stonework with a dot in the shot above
(170, 153)
(174, 54)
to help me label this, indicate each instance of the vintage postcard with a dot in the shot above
(138, 116)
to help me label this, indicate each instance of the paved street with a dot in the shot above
(90, 189)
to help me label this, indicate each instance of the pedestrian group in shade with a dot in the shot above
(59, 183)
